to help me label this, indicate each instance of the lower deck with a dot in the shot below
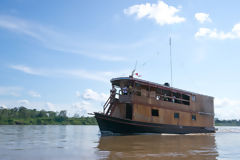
(151, 114)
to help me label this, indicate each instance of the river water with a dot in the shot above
(84, 143)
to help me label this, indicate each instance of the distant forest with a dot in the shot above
(24, 116)
(233, 122)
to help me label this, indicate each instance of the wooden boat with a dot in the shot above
(139, 106)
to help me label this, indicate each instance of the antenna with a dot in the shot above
(134, 69)
(170, 47)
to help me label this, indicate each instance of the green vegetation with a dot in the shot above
(227, 122)
(24, 116)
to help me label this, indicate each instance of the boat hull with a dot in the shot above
(124, 126)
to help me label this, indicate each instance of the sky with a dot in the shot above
(60, 55)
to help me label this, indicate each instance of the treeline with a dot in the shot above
(24, 116)
(233, 122)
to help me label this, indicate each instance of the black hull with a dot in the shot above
(124, 126)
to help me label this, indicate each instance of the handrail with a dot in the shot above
(106, 104)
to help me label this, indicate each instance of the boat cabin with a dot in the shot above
(139, 100)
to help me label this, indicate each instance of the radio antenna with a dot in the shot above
(170, 49)
(135, 67)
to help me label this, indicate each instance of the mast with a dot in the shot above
(170, 47)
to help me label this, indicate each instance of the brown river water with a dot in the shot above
(85, 142)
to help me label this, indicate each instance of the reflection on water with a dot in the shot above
(160, 146)
(85, 142)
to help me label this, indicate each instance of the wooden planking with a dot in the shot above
(202, 104)
(143, 113)
(120, 111)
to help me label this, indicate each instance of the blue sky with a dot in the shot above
(58, 55)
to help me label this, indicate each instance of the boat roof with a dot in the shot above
(153, 84)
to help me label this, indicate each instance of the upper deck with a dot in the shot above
(117, 82)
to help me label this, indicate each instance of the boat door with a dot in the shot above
(128, 111)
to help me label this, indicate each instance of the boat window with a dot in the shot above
(158, 91)
(185, 97)
(176, 115)
(193, 98)
(155, 112)
(167, 95)
(194, 117)
(177, 97)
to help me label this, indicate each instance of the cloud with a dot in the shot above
(51, 107)
(20, 26)
(23, 102)
(202, 17)
(161, 12)
(10, 91)
(215, 34)
(34, 94)
(73, 73)
(82, 108)
(227, 108)
(3, 106)
(54, 40)
(95, 96)
(26, 69)
(79, 73)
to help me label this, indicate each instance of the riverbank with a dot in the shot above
(24, 116)
(50, 121)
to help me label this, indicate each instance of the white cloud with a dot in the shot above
(28, 70)
(79, 73)
(23, 102)
(34, 94)
(73, 73)
(50, 38)
(92, 95)
(161, 12)
(3, 106)
(82, 108)
(20, 26)
(227, 108)
(215, 34)
(51, 107)
(10, 91)
(203, 17)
